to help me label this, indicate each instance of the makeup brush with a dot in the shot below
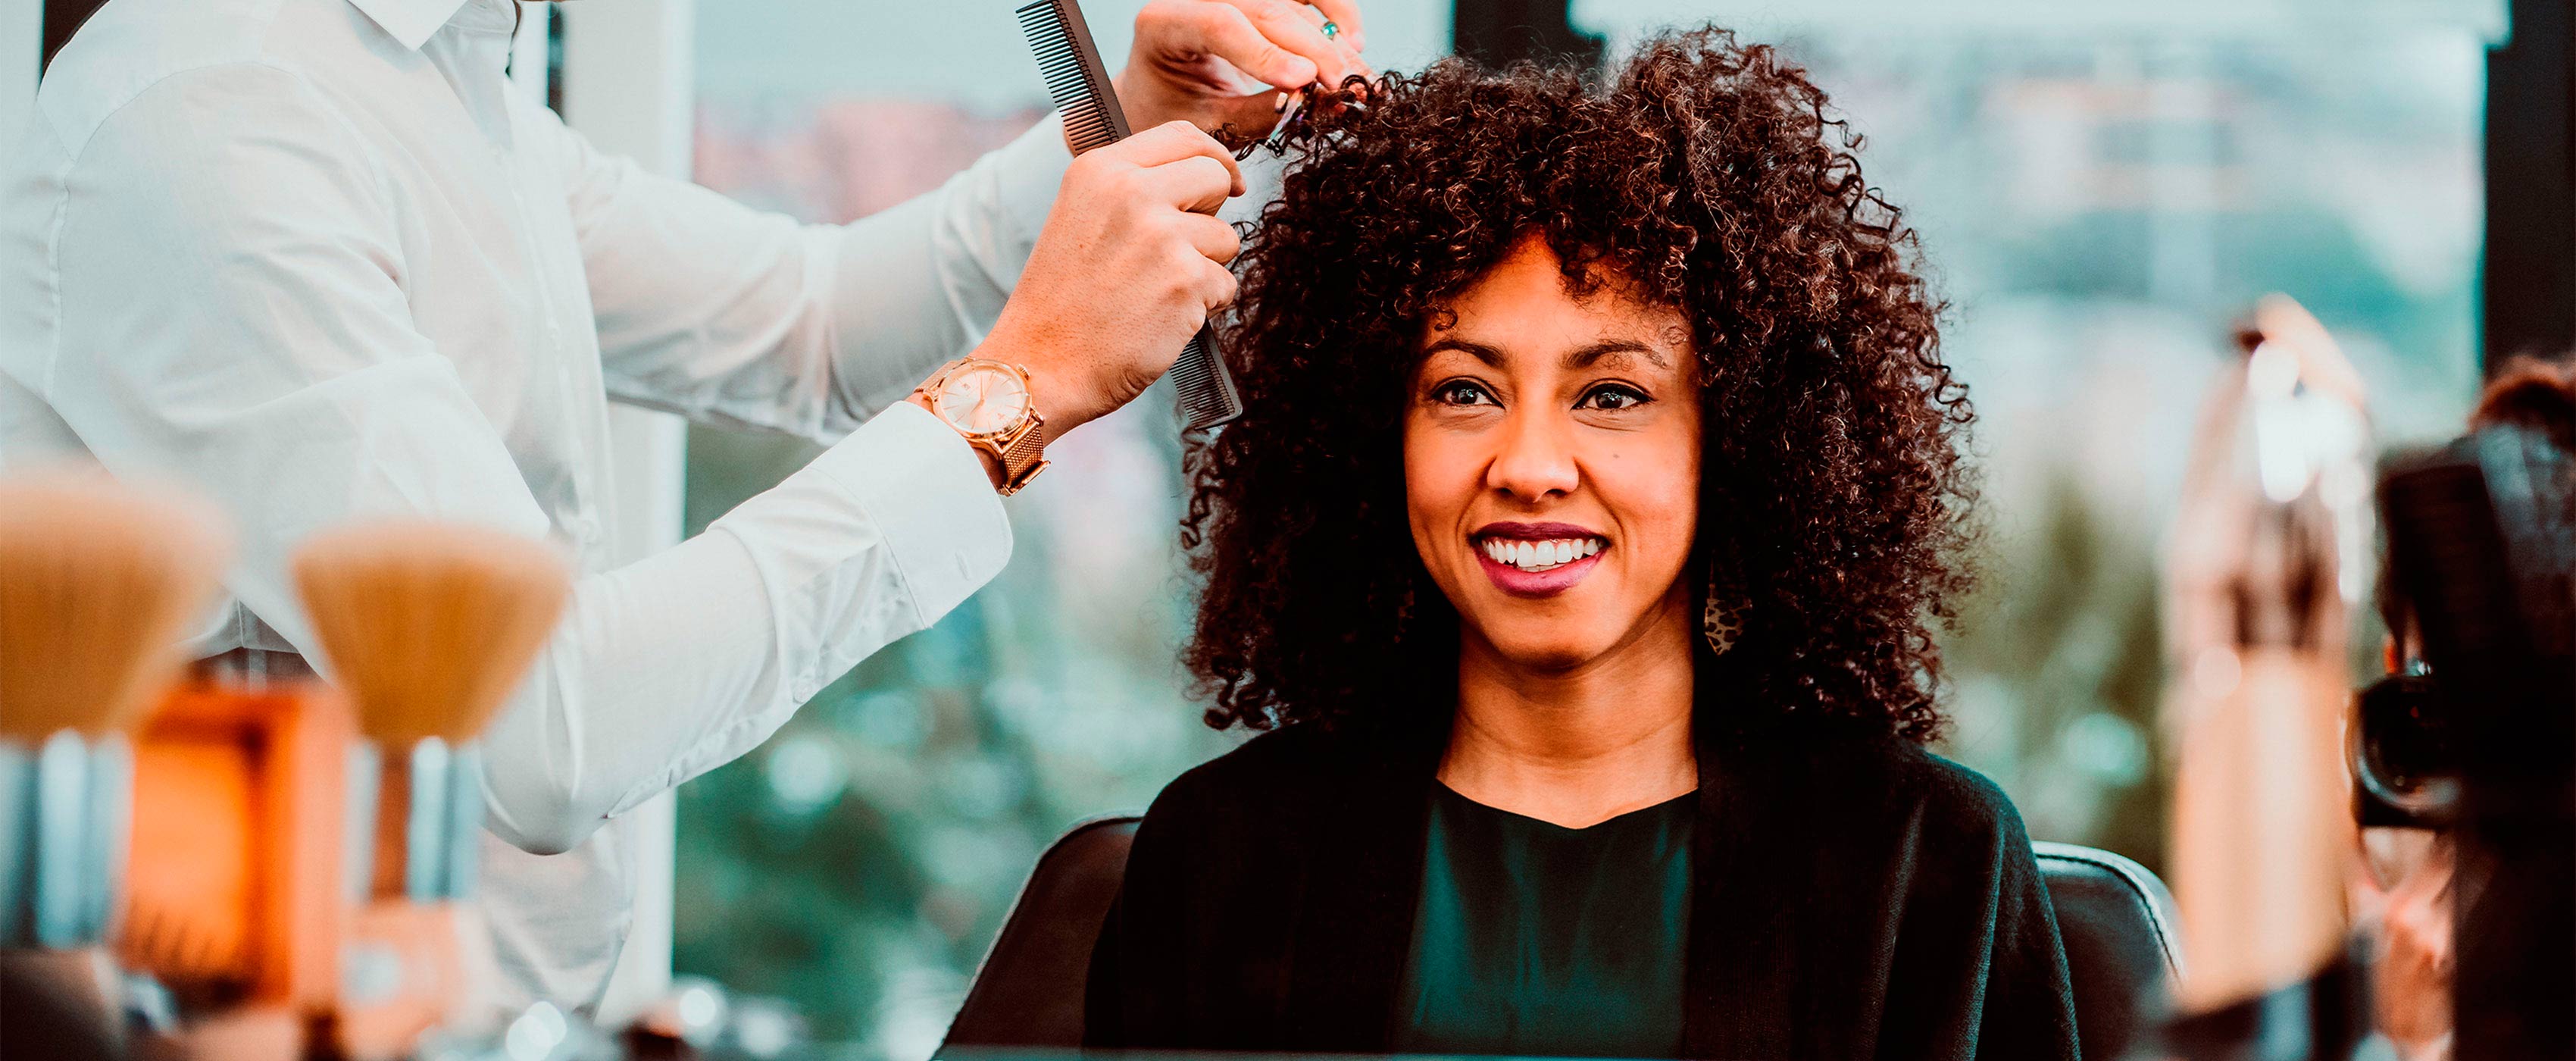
(97, 581)
(428, 626)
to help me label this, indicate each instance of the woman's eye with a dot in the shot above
(1462, 392)
(1612, 396)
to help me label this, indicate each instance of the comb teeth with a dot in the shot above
(1075, 79)
(1204, 384)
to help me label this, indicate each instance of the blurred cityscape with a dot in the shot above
(2099, 207)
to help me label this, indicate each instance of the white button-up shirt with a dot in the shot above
(315, 258)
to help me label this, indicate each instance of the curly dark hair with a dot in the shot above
(1708, 176)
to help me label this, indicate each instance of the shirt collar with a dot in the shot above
(412, 22)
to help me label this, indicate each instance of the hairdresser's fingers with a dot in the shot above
(1215, 239)
(1345, 15)
(1252, 34)
(1213, 27)
(1171, 142)
(1214, 284)
(1195, 184)
(1294, 26)
(1343, 33)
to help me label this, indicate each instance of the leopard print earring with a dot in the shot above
(1721, 616)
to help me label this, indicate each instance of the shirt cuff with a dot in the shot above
(928, 494)
(1028, 171)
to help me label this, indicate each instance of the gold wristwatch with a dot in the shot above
(988, 402)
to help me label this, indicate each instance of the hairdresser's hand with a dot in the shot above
(1218, 63)
(1131, 262)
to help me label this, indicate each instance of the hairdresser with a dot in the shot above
(316, 258)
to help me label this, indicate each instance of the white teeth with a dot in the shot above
(1540, 556)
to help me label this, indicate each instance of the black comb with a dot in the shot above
(1079, 85)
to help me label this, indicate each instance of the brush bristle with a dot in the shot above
(429, 626)
(98, 580)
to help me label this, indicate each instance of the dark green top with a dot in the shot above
(1537, 940)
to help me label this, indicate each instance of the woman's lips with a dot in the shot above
(1529, 566)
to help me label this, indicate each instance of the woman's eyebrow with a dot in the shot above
(1585, 356)
(1491, 357)
(1580, 357)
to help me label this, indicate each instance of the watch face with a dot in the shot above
(982, 399)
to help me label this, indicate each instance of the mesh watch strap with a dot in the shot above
(1021, 459)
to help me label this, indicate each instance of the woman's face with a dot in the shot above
(1551, 464)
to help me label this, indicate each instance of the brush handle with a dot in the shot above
(446, 817)
(364, 778)
(63, 830)
(17, 845)
(422, 809)
(107, 838)
(62, 844)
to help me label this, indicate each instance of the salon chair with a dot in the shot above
(2115, 918)
(2123, 953)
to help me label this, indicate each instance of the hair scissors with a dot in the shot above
(1293, 109)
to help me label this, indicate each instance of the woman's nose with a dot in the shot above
(1536, 456)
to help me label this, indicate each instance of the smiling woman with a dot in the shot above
(1598, 487)
(1706, 199)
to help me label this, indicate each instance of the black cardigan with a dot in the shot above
(1854, 897)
